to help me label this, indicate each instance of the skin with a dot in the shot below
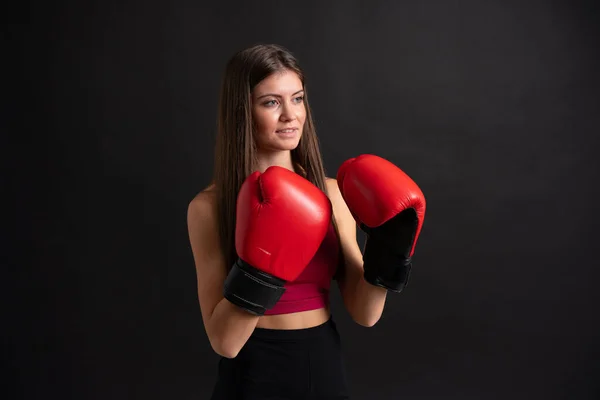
(277, 103)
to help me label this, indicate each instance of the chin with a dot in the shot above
(291, 145)
(282, 145)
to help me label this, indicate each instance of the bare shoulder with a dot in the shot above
(331, 184)
(333, 191)
(340, 209)
(203, 227)
(203, 206)
(206, 194)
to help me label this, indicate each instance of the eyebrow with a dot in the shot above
(276, 95)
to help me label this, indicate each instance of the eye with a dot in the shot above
(299, 99)
(270, 103)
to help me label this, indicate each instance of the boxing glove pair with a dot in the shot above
(282, 219)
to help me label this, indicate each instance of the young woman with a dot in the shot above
(266, 312)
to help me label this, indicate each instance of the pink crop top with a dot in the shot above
(310, 290)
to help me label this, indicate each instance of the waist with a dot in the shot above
(321, 324)
(296, 320)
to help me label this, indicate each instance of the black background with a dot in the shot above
(490, 106)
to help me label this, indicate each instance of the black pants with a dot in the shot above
(285, 364)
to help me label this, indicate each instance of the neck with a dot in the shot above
(279, 158)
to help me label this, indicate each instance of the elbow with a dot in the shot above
(225, 348)
(227, 353)
(364, 316)
(367, 321)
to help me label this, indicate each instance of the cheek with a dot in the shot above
(259, 119)
(302, 114)
(264, 120)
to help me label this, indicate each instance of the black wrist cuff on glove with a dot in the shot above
(384, 267)
(252, 289)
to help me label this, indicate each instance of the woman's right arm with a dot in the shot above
(227, 326)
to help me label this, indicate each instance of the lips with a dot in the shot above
(287, 130)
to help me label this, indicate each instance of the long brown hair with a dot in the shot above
(235, 150)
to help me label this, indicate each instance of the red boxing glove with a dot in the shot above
(390, 207)
(281, 221)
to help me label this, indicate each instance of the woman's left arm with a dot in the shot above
(364, 302)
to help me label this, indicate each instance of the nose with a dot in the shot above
(287, 113)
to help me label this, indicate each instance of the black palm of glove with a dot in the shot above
(387, 261)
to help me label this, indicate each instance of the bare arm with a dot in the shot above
(364, 302)
(227, 326)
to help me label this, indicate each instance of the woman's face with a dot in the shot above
(278, 111)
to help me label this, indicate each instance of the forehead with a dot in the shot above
(281, 83)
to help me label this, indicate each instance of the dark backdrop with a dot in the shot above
(491, 106)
